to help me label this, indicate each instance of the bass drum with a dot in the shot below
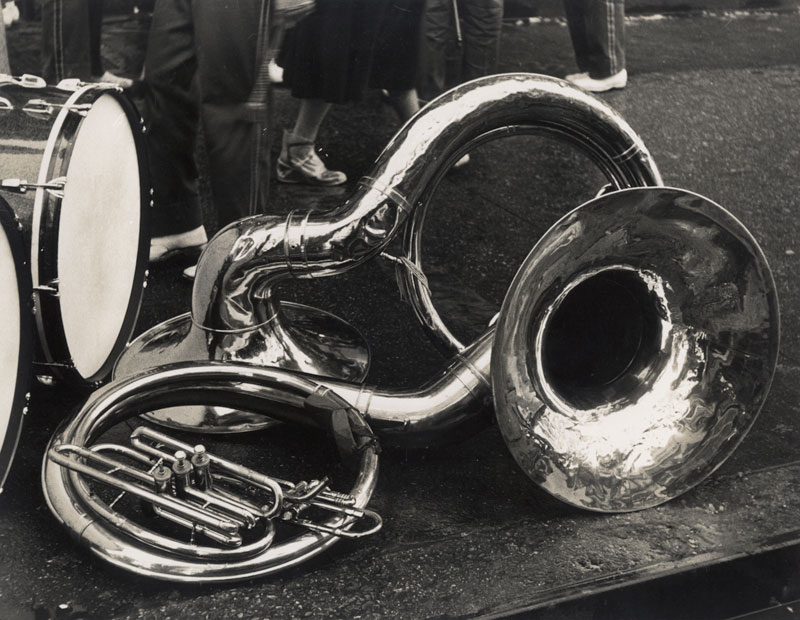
(73, 167)
(16, 335)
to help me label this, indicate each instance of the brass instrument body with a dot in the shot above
(630, 379)
(235, 314)
(146, 552)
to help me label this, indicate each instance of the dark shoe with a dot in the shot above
(299, 163)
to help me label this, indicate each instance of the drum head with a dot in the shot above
(98, 237)
(93, 242)
(16, 336)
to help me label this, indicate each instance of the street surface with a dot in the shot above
(716, 99)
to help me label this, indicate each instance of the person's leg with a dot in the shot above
(95, 31)
(229, 45)
(605, 37)
(65, 40)
(437, 29)
(310, 115)
(4, 66)
(298, 161)
(405, 103)
(575, 13)
(482, 22)
(170, 113)
(600, 47)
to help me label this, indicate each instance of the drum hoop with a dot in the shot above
(46, 216)
(19, 401)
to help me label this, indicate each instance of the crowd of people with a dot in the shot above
(209, 64)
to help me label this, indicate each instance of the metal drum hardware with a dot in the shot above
(73, 165)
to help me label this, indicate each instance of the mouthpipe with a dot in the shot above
(446, 409)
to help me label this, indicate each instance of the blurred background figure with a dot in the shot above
(10, 12)
(207, 65)
(470, 28)
(71, 42)
(4, 68)
(597, 30)
(395, 64)
(10, 16)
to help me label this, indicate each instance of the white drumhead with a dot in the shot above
(98, 235)
(10, 334)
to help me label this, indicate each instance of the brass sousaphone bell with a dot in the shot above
(631, 354)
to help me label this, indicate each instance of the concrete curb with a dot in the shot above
(553, 8)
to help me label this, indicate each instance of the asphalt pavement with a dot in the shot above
(716, 98)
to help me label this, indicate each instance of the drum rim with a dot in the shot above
(11, 228)
(44, 259)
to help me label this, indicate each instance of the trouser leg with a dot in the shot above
(95, 10)
(4, 67)
(65, 40)
(227, 45)
(602, 45)
(437, 31)
(482, 22)
(201, 65)
(575, 11)
(170, 112)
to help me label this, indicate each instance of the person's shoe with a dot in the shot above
(299, 163)
(185, 243)
(576, 76)
(275, 72)
(10, 14)
(601, 85)
(189, 273)
(110, 78)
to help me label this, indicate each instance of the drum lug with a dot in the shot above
(70, 84)
(5, 104)
(31, 81)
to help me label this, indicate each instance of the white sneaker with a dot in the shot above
(275, 72)
(189, 242)
(576, 76)
(618, 80)
(10, 13)
(190, 273)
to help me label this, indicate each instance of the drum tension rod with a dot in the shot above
(40, 107)
(20, 186)
(51, 288)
